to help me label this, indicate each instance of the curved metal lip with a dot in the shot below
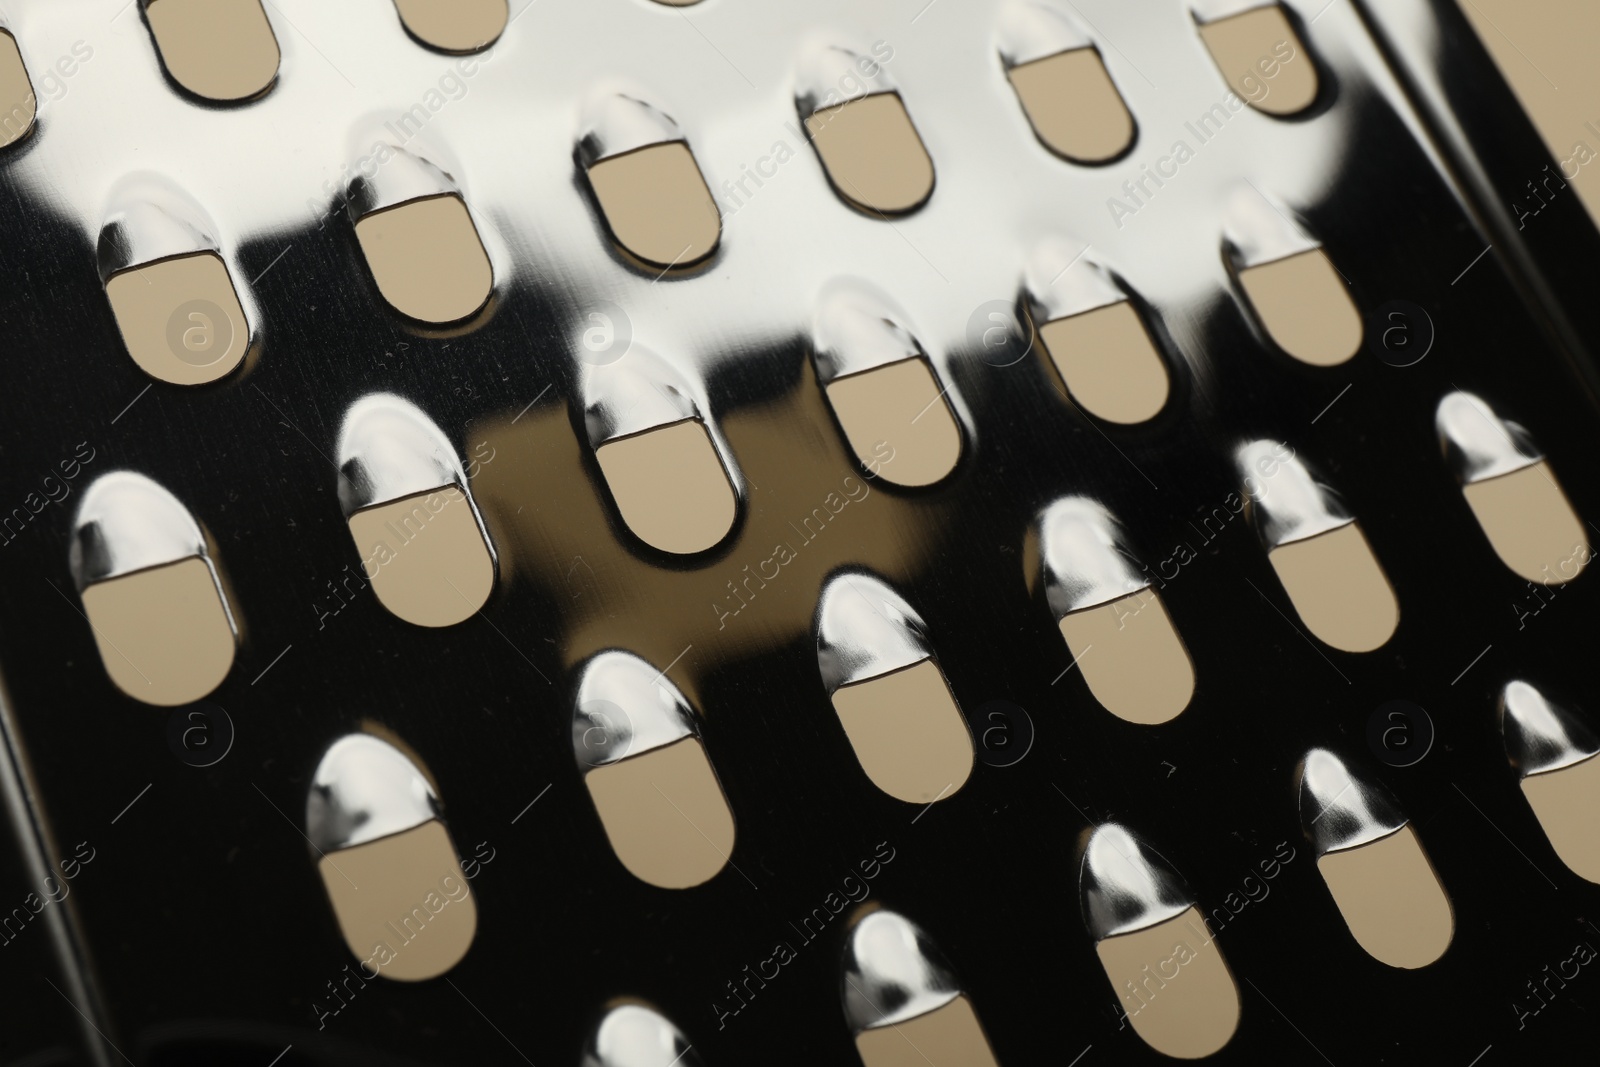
(1339, 810)
(1477, 443)
(621, 120)
(865, 630)
(1030, 30)
(892, 972)
(1291, 504)
(1541, 737)
(639, 391)
(1256, 230)
(830, 73)
(1062, 279)
(149, 219)
(857, 328)
(625, 707)
(365, 789)
(1124, 885)
(1084, 556)
(401, 178)
(127, 522)
(1205, 11)
(633, 1034)
(389, 449)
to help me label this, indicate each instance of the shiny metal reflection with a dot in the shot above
(1339, 810)
(1513, 493)
(153, 596)
(1069, 97)
(634, 1034)
(1478, 444)
(638, 392)
(1084, 557)
(650, 187)
(857, 122)
(127, 522)
(1257, 231)
(636, 740)
(149, 218)
(892, 973)
(1212, 10)
(618, 122)
(886, 393)
(1285, 500)
(1031, 30)
(858, 328)
(1124, 885)
(1064, 278)
(389, 448)
(399, 479)
(625, 707)
(401, 176)
(669, 471)
(1541, 736)
(363, 789)
(865, 629)
(830, 73)
(182, 316)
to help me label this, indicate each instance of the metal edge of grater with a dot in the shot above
(200, 930)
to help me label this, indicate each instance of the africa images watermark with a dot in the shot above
(853, 889)
(1582, 954)
(1544, 591)
(55, 891)
(53, 489)
(1139, 996)
(1212, 525)
(409, 527)
(741, 594)
(18, 118)
(1580, 156)
(1204, 129)
(766, 166)
(452, 85)
(412, 925)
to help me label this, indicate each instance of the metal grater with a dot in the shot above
(166, 890)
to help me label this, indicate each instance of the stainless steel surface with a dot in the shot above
(151, 218)
(857, 329)
(633, 1035)
(866, 629)
(1125, 885)
(616, 122)
(830, 72)
(1477, 444)
(625, 707)
(1339, 809)
(1035, 29)
(1257, 231)
(364, 789)
(1541, 736)
(1084, 558)
(1064, 278)
(892, 972)
(1284, 498)
(127, 522)
(389, 449)
(202, 934)
(633, 391)
(397, 176)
